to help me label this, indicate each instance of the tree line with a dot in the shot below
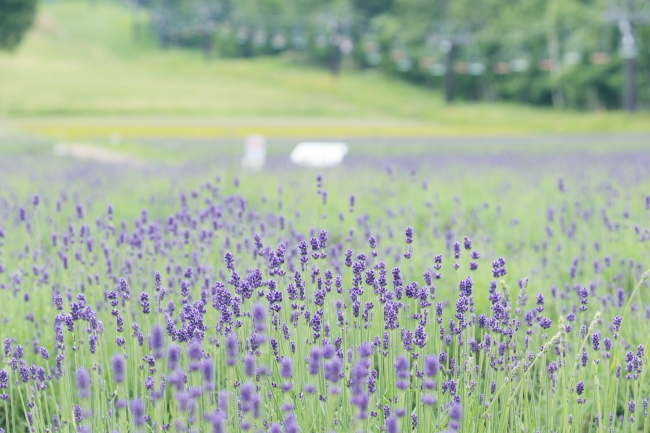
(584, 54)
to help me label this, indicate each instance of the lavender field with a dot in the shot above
(413, 289)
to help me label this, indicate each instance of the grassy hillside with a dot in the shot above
(81, 73)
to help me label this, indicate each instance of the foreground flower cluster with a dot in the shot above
(220, 318)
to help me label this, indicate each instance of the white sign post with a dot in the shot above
(254, 153)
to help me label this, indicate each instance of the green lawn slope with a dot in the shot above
(81, 73)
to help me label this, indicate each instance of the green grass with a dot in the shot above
(480, 203)
(81, 73)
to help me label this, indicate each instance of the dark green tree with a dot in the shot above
(371, 8)
(16, 16)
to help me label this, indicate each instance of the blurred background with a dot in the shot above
(122, 75)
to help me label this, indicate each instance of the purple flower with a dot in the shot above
(137, 409)
(259, 318)
(545, 322)
(499, 268)
(230, 261)
(173, 356)
(402, 371)
(595, 341)
(232, 348)
(83, 382)
(607, 342)
(157, 340)
(429, 400)
(365, 350)
(431, 365)
(119, 366)
(314, 360)
(409, 235)
(222, 402)
(291, 424)
(333, 369)
(217, 421)
(207, 370)
(194, 350)
(4, 379)
(286, 369)
(144, 303)
(78, 414)
(455, 415)
(392, 425)
(249, 365)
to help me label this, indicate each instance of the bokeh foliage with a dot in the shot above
(570, 49)
(16, 16)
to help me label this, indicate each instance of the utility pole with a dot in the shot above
(628, 46)
(337, 24)
(626, 14)
(335, 47)
(451, 37)
(449, 72)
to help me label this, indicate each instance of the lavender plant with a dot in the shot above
(222, 316)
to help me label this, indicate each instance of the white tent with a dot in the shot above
(319, 155)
